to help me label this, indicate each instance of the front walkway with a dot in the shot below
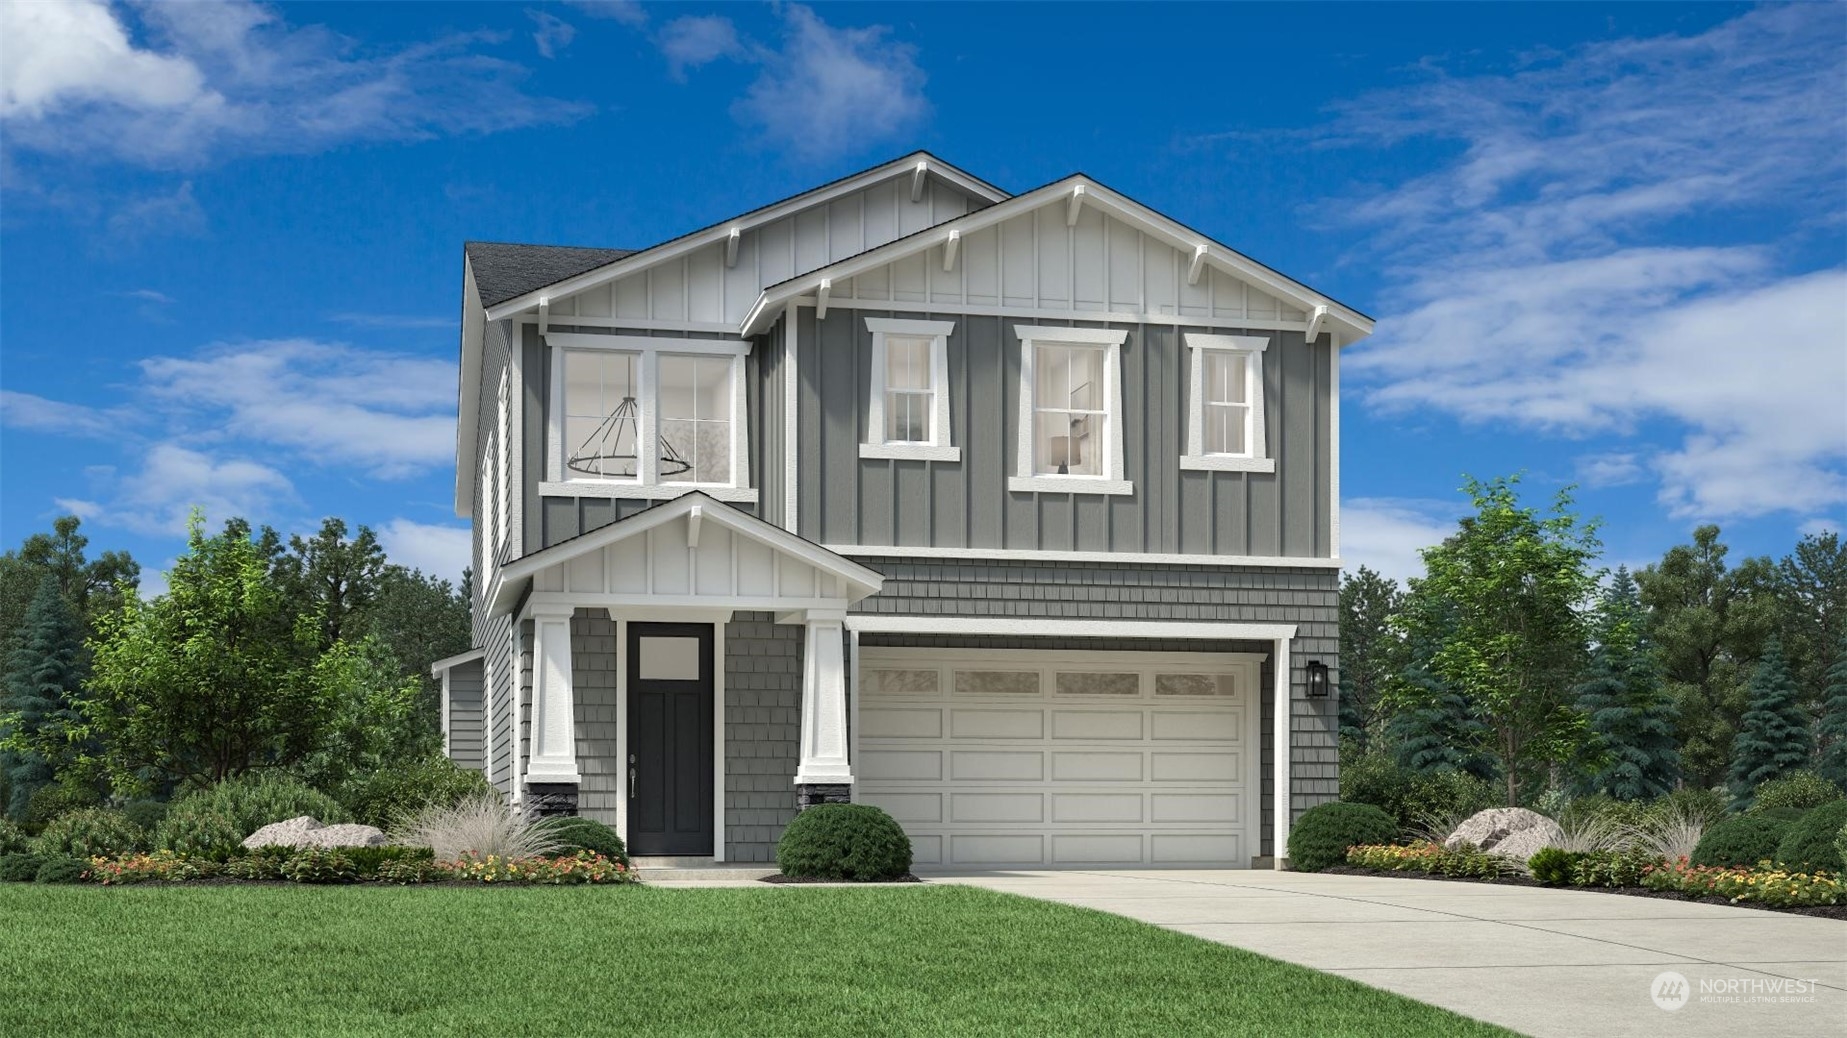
(1544, 962)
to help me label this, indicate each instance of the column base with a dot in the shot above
(809, 794)
(551, 799)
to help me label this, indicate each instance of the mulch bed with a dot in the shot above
(780, 878)
(1821, 911)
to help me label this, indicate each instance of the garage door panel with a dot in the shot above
(903, 765)
(1183, 849)
(1085, 725)
(1095, 849)
(996, 850)
(997, 807)
(997, 724)
(1079, 766)
(926, 850)
(1096, 807)
(997, 766)
(888, 723)
(1196, 807)
(1197, 725)
(1221, 766)
(908, 807)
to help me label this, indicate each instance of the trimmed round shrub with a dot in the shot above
(13, 839)
(62, 868)
(1740, 840)
(320, 865)
(588, 834)
(1413, 798)
(148, 814)
(20, 868)
(196, 829)
(1809, 845)
(855, 842)
(1322, 835)
(1555, 867)
(91, 832)
(254, 800)
(1840, 843)
(387, 797)
(49, 802)
(1791, 815)
(1799, 790)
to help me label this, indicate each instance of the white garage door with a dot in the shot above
(1049, 758)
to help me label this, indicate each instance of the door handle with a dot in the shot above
(631, 783)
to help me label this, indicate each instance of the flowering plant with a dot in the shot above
(1764, 883)
(582, 867)
(162, 866)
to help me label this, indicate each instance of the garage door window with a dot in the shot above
(997, 683)
(1094, 684)
(1195, 685)
(902, 682)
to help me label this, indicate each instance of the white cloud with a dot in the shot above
(148, 295)
(696, 40)
(1562, 274)
(26, 411)
(1610, 469)
(208, 80)
(172, 481)
(628, 12)
(1387, 534)
(831, 91)
(1817, 527)
(442, 551)
(552, 33)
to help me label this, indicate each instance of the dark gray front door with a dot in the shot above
(670, 738)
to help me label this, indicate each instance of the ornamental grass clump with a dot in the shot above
(476, 827)
(1669, 832)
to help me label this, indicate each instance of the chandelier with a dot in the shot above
(601, 450)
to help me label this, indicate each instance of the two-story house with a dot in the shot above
(1014, 515)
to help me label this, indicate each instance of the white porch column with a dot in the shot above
(553, 759)
(1280, 763)
(824, 704)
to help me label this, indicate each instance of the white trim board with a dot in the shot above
(456, 660)
(1127, 558)
(1049, 627)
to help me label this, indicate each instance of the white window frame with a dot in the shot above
(503, 471)
(940, 446)
(1110, 341)
(647, 484)
(1252, 348)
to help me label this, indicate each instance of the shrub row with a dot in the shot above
(1803, 840)
(1555, 867)
(323, 865)
(1429, 859)
(1764, 883)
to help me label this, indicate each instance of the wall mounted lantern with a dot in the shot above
(1317, 679)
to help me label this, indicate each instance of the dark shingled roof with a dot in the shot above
(504, 270)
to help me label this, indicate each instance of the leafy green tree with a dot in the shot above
(1833, 728)
(1370, 653)
(1811, 593)
(91, 587)
(421, 619)
(1708, 624)
(335, 578)
(218, 677)
(376, 721)
(1631, 719)
(1775, 738)
(44, 678)
(1510, 636)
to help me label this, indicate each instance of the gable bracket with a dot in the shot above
(1198, 265)
(1316, 318)
(545, 314)
(949, 250)
(731, 247)
(820, 298)
(917, 181)
(693, 516)
(1077, 206)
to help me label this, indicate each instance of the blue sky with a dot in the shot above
(1606, 244)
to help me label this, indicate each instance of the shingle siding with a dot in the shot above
(763, 720)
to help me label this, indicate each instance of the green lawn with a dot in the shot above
(930, 960)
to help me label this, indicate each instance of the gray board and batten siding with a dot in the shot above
(844, 499)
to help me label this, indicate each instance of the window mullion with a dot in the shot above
(647, 436)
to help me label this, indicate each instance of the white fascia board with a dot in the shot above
(1026, 627)
(720, 231)
(1128, 558)
(468, 390)
(447, 662)
(1118, 206)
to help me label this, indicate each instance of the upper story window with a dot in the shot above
(643, 417)
(1070, 437)
(1225, 421)
(907, 415)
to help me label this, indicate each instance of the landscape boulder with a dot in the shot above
(1511, 832)
(306, 831)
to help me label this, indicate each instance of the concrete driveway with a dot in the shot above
(1543, 962)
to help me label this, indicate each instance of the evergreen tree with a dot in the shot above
(44, 677)
(1370, 653)
(1435, 730)
(1775, 737)
(1631, 719)
(1833, 730)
